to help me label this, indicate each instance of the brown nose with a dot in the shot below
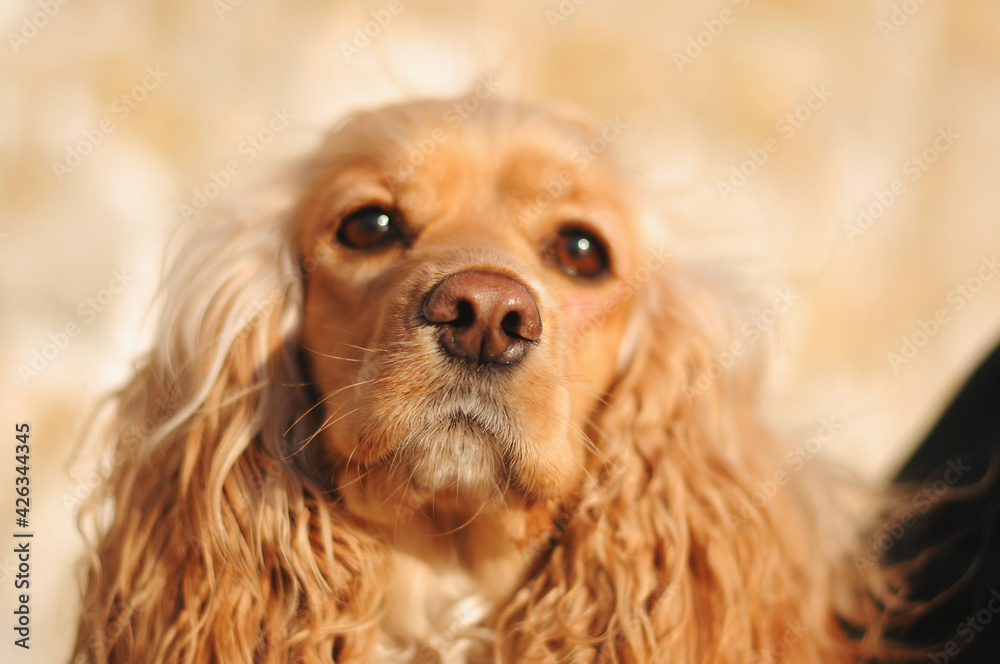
(484, 317)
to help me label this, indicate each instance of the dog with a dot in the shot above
(458, 402)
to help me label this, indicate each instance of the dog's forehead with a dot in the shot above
(519, 146)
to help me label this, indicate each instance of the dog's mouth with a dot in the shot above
(451, 438)
(462, 453)
(460, 462)
(459, 440)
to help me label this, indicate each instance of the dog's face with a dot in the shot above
(465, 304)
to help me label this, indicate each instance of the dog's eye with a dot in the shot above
(368, 229)
(580, 254)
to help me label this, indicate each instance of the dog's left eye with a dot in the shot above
(580, 253)
(368, 229)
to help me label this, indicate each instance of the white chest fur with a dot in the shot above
(432, 614)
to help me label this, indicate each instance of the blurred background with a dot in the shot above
(840, 157)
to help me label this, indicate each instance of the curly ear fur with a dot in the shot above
(209, 549)
(657, 563)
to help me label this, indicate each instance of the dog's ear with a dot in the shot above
(214, 541)
(671, 555)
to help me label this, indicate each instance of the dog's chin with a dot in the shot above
(458, 463)
(457, 455)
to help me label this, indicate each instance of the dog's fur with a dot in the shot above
(303, 474)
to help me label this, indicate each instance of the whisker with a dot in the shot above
(592, 447)
(332, 357)
(324, 399)
(359, 478)
(326, 425)
(395, 457)
(394, 492)
(579, 386)
(458, 528)
(500, 491)
(362, 348)
(395, 528)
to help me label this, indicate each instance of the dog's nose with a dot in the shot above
(484, 317)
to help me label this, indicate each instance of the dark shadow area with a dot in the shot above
(954, 477)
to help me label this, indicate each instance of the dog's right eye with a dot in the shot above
(368, 229)
(580, 253)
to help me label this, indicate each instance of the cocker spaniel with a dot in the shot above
(460, 401)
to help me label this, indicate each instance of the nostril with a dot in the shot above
(465, 314)
(511, 324)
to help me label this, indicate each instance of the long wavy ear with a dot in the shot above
(215, 541)
(672, 555)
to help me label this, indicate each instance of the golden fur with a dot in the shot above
(299, 476)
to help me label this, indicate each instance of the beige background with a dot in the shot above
(225, 66)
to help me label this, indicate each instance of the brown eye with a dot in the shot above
(580, 253)
(368, 229)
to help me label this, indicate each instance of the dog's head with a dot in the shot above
(459, 315)
(465, 307)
